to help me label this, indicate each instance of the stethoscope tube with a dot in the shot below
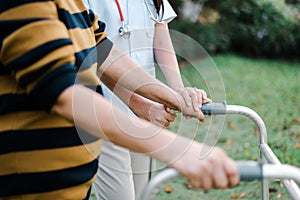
(124, 29)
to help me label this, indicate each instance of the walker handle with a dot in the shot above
(250, 170)
(214, 108)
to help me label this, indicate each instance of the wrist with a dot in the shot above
(174, 101)
(138, 105)
(176, 86)
(175, 80)
(134, 102)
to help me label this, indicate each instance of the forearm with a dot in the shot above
(101, 119)
(120, 70)
(204, 166)
(131, 99)
(165, 56)
(135, 79)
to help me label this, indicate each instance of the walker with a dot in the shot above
(267, 167)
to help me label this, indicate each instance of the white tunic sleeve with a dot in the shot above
(169, 13)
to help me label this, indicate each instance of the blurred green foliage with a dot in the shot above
(261, 28)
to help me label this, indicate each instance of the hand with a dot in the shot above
(154, 112)
(215, 170)
(193, 97)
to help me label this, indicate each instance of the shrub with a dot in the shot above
(264, 28)
(261, 27)
(212, 38)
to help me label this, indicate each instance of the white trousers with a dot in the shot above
(121, 174)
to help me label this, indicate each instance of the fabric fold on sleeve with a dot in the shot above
(50, 87)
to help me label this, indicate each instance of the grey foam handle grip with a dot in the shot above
(250, 170)
(214, 109)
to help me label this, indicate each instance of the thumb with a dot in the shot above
(167, 109)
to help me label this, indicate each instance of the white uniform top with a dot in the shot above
(137, 18)
(111, 181)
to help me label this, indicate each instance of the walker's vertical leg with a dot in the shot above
(264, 184)
(234, 109)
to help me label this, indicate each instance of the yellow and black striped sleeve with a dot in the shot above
(104, 45)
(36, 49)
(43, 45)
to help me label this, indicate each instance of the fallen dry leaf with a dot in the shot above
(295, 121)
(231, 125)
(243, 194)
(168, 189)
(247, 153)
(287, 154)
(234, 196)
(256, 132)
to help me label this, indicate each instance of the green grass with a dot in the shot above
(271, 88)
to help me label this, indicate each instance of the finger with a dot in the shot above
(201, 117)
(232, 173)
(200, 96)
(158, 120)
(196, 99)
(186, 97)
(166, 124)
(207, 182)
(195, 183)
(187, 117)
(203, 93)
(167, 109)
(170, 117)
(189, 185)
(220, 180)
(208, 100)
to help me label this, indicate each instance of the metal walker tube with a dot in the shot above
(270, 164)
(265, 152)
(249, 170)
(241, 110)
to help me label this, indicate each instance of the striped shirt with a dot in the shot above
(44, 44)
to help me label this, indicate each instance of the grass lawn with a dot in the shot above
(272, 89)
